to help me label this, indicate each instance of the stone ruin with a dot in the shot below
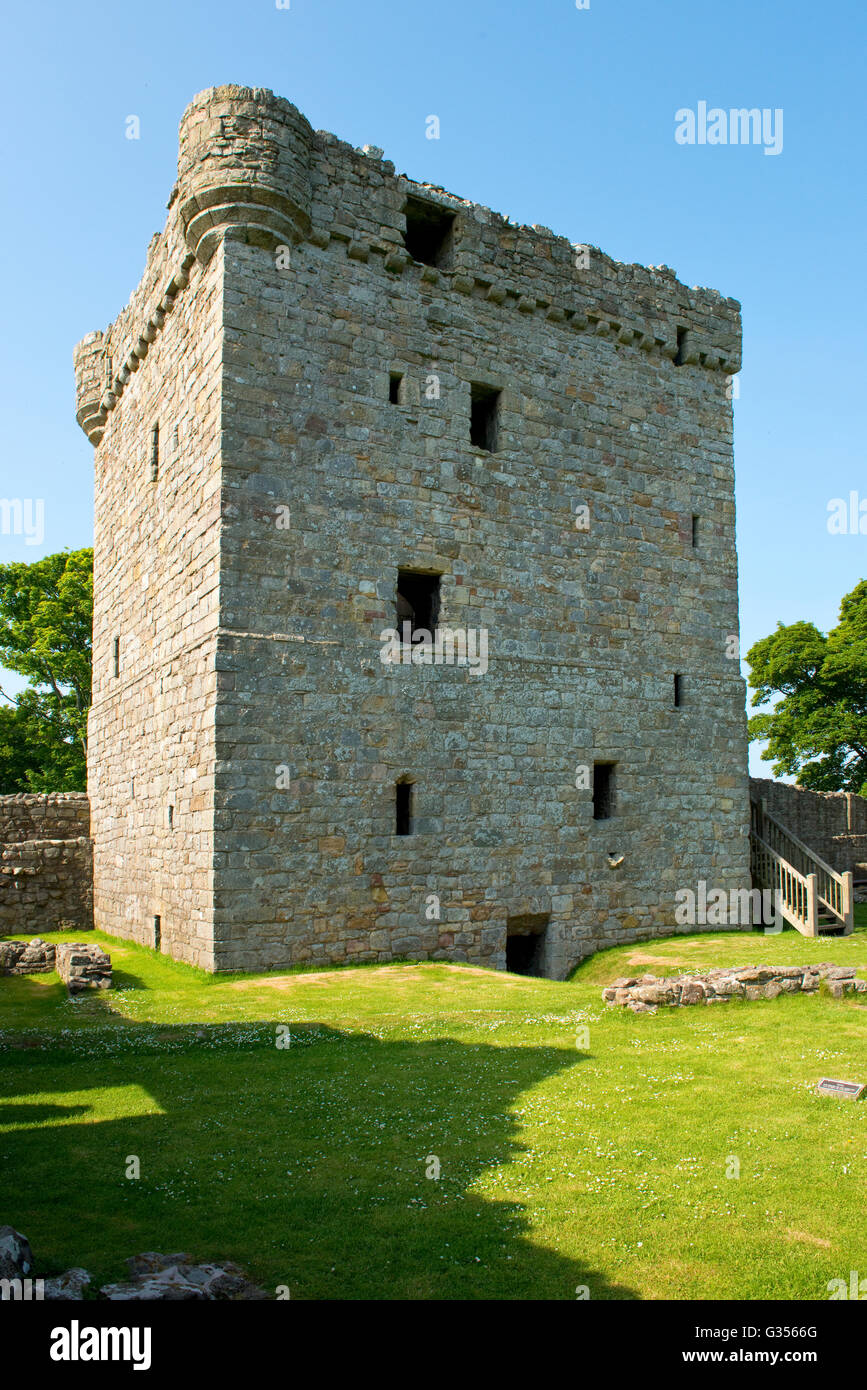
(83, 967)
(34, 957)
(644, 993)
(80, 966)
(151, 1276)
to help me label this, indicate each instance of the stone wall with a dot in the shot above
(54, 816)
(156, 527)
(243, 762)
(645, 993)
(833, 824)
(46, 864)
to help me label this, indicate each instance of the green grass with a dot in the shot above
(560, 1167)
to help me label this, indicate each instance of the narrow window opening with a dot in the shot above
(678, 691)
(403, 797)
(117, 656)
(171, 817)
(157, 933)
(485, 416)
(695, 532)
(682, 346)
(603, 790)
(429, 235)
(525, 940)
(155, 453)
(418, 605)
(396, 388)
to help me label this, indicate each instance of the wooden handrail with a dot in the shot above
(823, 884)
(805, 849)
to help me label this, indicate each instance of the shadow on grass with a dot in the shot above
(308, 1165)
(39, 1114)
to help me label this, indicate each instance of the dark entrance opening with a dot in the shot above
(525, 938)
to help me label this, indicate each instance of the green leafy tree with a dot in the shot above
(46, 618)
(817, 729)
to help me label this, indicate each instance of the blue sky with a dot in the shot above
(549, 114)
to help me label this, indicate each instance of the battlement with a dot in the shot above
(251, 168)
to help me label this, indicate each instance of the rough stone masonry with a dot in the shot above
(45, 862)
(340, 401)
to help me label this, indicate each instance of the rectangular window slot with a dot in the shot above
(155, 453)
(678, 691)
(418, 605)
(403, 798)
(525, 939)
(695, 532)
(603, 790)
(117, 656)
(682, 346)
(484, 416)
(157, 933)
(397, 388)
(429, 235)
(171, 818)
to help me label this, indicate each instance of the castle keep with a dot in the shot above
(343, 409)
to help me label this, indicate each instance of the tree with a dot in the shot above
(817, 729)
(46, 618)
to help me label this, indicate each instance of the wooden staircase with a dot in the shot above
(810, 895)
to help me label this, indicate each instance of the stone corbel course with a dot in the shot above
(644, 993)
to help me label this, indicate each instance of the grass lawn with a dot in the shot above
(559, 1166)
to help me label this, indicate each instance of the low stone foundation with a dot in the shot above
(26, 957)
(79, 966)
(643, 994)
(83, 967)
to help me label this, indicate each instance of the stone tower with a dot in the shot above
(343, 409)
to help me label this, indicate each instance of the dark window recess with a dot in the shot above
(396, 390)
(678, 691)
(117, 656)
(695, 532)
(155, 453)
(603, 790)
(484, 416)
(403, 808)
(157, 933)
(525, 938)
(171, 817)
(682, 346)
(418, 603)
(429, 235)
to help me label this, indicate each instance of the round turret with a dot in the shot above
(89, 361)
(243, 166)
